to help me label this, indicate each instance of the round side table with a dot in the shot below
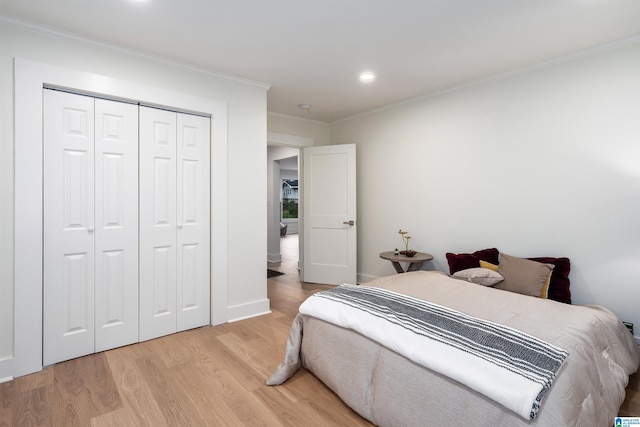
(415, 262)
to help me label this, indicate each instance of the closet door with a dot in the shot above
(193, 196)
(91, 225)
(116, 219)
(157, 223)
(174, 222)
(68, 316)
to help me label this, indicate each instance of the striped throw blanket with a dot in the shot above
(506, 365)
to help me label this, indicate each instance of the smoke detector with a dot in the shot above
(305, 107)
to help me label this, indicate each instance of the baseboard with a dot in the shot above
(246, 311)
(274, 257)
(363, 278)
(6, 369)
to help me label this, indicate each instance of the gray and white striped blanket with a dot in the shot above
(506, 365)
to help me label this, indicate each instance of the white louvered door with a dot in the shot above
(174, 222)
(91, 225)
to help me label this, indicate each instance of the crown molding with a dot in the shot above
(38, 28)
(583, 53)
(303, 119)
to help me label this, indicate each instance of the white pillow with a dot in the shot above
(479, 276)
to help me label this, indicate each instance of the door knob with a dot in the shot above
(350, 222)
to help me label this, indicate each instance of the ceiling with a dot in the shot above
(311, 52)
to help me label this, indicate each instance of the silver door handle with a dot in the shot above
(350, 222)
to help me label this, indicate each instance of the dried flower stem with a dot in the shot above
(405, 238)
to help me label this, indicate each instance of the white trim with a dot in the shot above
(30, 78)
(143, 54)
(275, 138)
(303, 119)
(249, 310)
(249, 317)
(584, 53)
(274, 257)
(363, 278)
(6, 370)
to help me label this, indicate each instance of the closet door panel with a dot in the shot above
(193, 206)
(116, 236)
(157, 222)
(68, 311)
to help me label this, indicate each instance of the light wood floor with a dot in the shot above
(206, 376)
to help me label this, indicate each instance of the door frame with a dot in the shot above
(30, 79)
(300, 142)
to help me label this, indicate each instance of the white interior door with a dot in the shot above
(68, 311)
(193, 196)
(330, 226)
(174, 222)
(116, 224)
(91, 225)
(126, 225)
(157, 223)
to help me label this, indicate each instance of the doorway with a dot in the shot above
(277, 143)
(283, 195)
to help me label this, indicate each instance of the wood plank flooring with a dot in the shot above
(206, 376)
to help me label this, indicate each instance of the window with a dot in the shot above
(289, 199)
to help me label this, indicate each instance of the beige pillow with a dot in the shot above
(479, 276)
(523, 276)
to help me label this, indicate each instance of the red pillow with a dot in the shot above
(559, 284)
(459, 262)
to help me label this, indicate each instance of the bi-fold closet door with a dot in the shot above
(174, 222)
(126, 224)
(90, 225)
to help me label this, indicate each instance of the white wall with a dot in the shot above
(544, 162)
(246, 160)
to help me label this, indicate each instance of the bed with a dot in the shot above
(390, 388)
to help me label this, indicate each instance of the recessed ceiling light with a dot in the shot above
(367, 77)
